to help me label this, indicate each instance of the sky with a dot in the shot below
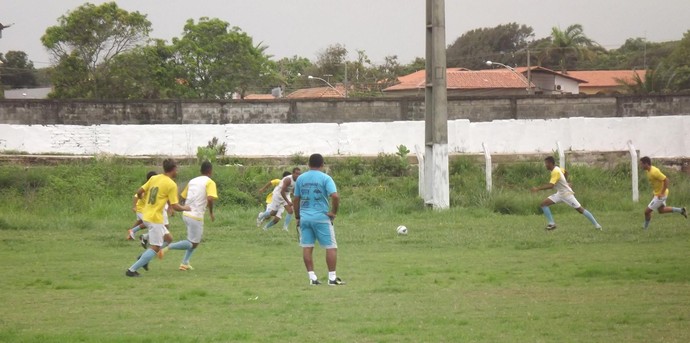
(379, 27)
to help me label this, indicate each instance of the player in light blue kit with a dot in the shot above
(315, 217)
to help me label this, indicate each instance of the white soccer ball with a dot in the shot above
(401, 230)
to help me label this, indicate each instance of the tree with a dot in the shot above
(568, 46)
(293, 71)
(659, 80)
(219, 60)
(501, 44)
(92, 36)
(17, 70)
(330, 62)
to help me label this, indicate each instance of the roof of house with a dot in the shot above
(461, 78)
(259, 97)
(538, 69)
(606, 78)
(318, 93)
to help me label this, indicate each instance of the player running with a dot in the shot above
(660, 184)
(563, 194)
(315, 218)
(159, 190)
(269, 199)
(200, 193)
(137, 207)
(281, 198)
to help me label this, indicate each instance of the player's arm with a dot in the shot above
(295, 207)
(265, 187)
(140, 194)
(211, 196)
(543, 187)
(135, 199)
(209, 202)
(335, 204)
(664, 187)
(283, 192)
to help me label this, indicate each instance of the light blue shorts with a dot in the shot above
(310, 232)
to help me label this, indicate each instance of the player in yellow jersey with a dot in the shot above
(159, 190)
(200, 194)
(564, 193)
(659, 183)
(137, 208)
(269, 199)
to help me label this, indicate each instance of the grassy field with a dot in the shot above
(470, 274)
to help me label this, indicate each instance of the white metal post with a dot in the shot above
(420, 165)
(561, 156)
(487, 168)
(635, 173)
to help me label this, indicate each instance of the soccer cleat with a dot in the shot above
(684, 212)
(130, 235)
(551, 227)
(314, 282)
(131, 273)
(144, 242)
(285, 228)
(259, 220)
(336, 282)
(598, 227)
(185, 267)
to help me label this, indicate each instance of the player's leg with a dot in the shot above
(195, 229)
(547, 211)
(156, 232)
(307, 239)
(572, 202)
(263, 215)
(655, 204)
(288, 217)
(325, 234)
(277, 208)
(668, 209)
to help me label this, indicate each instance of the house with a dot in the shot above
(606, 81)
(259, 97)
(337, 92)
(547, 81)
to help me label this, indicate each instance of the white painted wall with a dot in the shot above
(667, 136)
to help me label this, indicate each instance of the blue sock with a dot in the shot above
(188, 255)
(677, 210)
(288, 218)
(264, 215)
(181, 245)
(268, 226)
(165, 244)
(145, 258)
(548, 215)
(589, 216)
(136, 229)
(646, 224)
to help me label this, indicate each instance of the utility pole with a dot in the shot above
(529, 73)
(437, 192)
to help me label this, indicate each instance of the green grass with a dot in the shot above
(469, 274)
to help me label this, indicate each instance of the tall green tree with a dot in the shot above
(17, 71)
(219, 60)
(504, 43)
(568, 46)
(92, 36)
(330, 63)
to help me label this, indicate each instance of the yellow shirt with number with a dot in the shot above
(160, 189)
(657, 178)
(269, 197)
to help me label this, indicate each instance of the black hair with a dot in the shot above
(150, 174)
(296, 169)
(286, 173)
(550, 159)
(206, 167)
(646, 160)
(315, 161)
(169, 165)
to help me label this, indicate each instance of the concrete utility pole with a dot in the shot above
(437, 192)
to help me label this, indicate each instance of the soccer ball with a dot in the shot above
(401, 230)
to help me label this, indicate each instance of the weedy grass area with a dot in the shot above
(483, 271)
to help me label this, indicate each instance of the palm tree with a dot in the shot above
(567, 43)
(656, 81)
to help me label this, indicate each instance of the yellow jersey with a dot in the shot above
(656, 178)
(140, 203)
(559, 181)
(159, 190)
(197, 192)
(269, 197)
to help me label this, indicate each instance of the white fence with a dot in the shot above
(667, 136)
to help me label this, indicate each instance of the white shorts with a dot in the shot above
(277, 204)
(156, 233)
(165, 217)
(195, 228)
(657, 203)
(566, 198)
(279, 212)
(140, 216)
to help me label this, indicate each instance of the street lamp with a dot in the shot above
(529, 85)
(326, 82)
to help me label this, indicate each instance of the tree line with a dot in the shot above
(105, 52)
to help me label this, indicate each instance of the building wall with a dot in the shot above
(568, 86)
(357, 138)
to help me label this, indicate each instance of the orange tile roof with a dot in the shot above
(606, 78)
(461, 78)
(318, 93)
(523, 70)
(259, 97)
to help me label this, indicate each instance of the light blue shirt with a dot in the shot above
(314, 188)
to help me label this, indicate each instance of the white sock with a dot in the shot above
(331, 276)
(312, 276)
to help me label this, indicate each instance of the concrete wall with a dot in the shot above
(475, 109)
(655, 136)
